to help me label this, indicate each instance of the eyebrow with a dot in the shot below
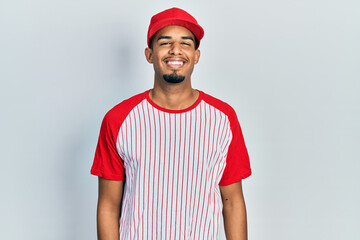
(189, 38)
(168, 37)
(164, 37)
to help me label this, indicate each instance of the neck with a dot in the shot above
(173, 96)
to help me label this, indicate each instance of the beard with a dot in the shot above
(173, 78)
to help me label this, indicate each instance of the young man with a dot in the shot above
(171, 159)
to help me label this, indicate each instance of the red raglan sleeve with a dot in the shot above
(107, 161)
(237, 161)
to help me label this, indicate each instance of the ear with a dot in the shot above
(149, 55)
(197, 55)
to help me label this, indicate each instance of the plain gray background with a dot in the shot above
(289, 68)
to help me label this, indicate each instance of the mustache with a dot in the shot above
(178, 58)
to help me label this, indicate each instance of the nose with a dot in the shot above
(175, 49)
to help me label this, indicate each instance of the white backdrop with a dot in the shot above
(289, 68)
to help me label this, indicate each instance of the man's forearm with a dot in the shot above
(235, 221)
(107, 224)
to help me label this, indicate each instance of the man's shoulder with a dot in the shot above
(219, 104)
(122, 109)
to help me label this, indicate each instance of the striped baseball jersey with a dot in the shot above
(172, 162)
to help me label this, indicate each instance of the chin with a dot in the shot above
(173, 78)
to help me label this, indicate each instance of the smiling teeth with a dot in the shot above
(175, 63)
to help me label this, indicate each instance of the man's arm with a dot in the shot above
(234, 211)
(108, 210)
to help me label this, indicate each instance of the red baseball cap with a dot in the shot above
(174, 16)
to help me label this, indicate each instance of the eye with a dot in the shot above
(187, 44)
(164, 43)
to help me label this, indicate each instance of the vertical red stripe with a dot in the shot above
(178, 169)
(188, 181)
(131, 159)
(207, 187)
(162, 199)
(153, 174)
(159, 178)
(168, 183)
(192, 183)
(183, 170)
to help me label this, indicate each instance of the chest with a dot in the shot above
(148, 133)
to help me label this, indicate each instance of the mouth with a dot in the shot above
(174, 63)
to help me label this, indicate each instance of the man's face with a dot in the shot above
(173, 54)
